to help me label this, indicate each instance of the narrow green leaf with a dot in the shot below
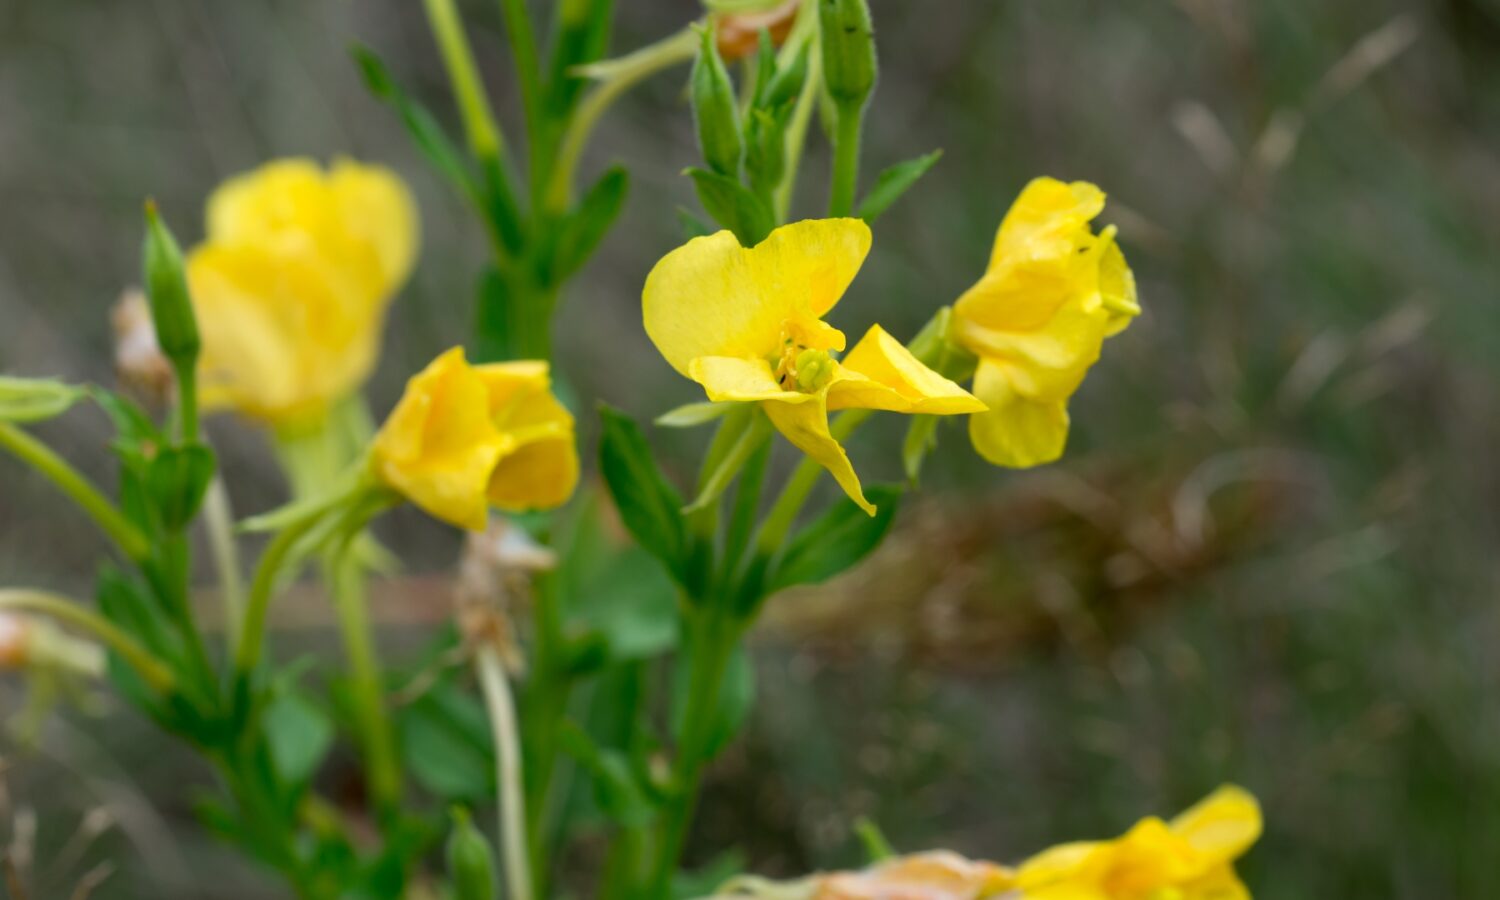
(893, 182)
(754, 436)
(919, 442)
(582, 231)
(36, 399)
(736, 697)
(429, 136)
(733, 206)
(690, 415)
(616, 789)
(691, 225)
(835, 540)
(648, 504)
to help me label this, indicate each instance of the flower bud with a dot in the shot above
(848, 51)
(166, 286)
(471, 866)
(715, 109)
(738, 34)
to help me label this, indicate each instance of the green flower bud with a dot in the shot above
(471, 866)
(848, 51)
(715, 109)
(765, 150)
(166, 286)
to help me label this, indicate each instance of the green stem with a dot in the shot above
(528, 70)
(345, 574)
(64, 610)
(484, 134)
(784, 512)
(502, 712)
(187, 402)
(708, 659)
(263, 590)
(796, 132)
(617, 77)
(548, 691)
(845, 160)
(67, 479)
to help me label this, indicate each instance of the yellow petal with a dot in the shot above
(712, 297)
(1062, 863)
(283, 195)
(880, 373)
(1048, 363)
(283, 338)
(806, 426)
(375, 206)
(541, 470)
(1222, 826)
(1044, 220)
(1116, 285)
(1221, 883)
(1015, 431)
(439, 446)
(727, 379)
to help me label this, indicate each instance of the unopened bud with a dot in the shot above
(471, 865)
(848, 51)
(715, 109)
(166, 286)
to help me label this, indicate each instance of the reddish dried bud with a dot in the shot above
(739, 33)
(138, 358)
(15, 641)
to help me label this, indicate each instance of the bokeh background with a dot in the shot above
(1269, 556)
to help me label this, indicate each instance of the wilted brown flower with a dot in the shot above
(739, 33)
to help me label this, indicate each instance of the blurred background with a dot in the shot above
(1269, 556)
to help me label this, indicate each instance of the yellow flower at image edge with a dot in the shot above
(746, 323)
(464, 437)
(1038, 318)
(1190, 858)
(291, 284)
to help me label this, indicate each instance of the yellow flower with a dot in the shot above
(1189, 858)
(291, 284)
(1053, 292)
(464, 437)
(747, 325)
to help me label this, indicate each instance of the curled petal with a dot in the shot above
(1015, 431)
(805, 424)
(1223, 825)
(880, 373)
(712, 297)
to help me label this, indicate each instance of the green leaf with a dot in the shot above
(835, 540)
(920, 439)
(690, 415)
(893, 182)
(299, 734)
(733, 205)
(178, 479)
(616, 790)
(429, 136)
(36, 399)
(445, 741)
(648, 504)
(582, 231)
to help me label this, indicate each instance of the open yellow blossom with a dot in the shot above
(747, 324)
(291, 284)
(1053, 292)
(1190, 858)
(463, 438)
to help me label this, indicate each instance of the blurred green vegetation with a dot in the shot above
(1269, 556)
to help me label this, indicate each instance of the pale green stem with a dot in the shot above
(66, 611)
(67, 479)
(263, 590)
(512, 798)
(796, 131)
(346, 579)
(784, 512)
(485, 137)
(845, 182)
(218, 519)
(616, 77)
